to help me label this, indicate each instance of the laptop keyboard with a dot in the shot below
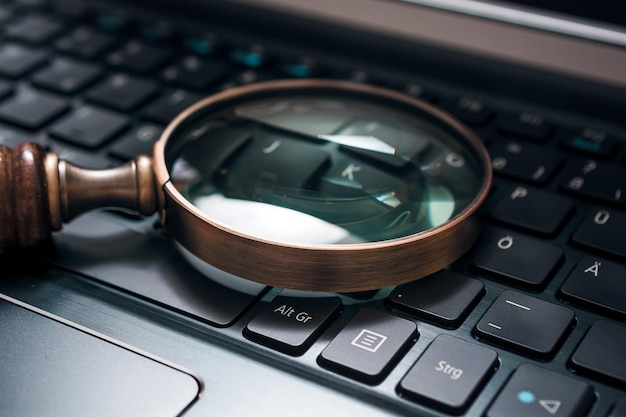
(530, 322)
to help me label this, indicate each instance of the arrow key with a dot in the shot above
(534, 391)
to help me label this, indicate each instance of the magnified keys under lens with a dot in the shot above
(313, 185)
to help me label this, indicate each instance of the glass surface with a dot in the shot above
(324, 168)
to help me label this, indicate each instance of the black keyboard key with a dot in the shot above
(29, 5)
(138, 57)
(523, 161)
(275, 162)
(11, 138)
(592, 142)
(202, 44)
(533, 209)
(415, 90)
(444, 298)
(537, 392)
(291, 324)
(343, 178)
(139, 140)
(80, 157)
(5, 89)
(160, 32)
(449, 374)
(195, 73)
(369, 346)
(18, 60)
(525, 324)
(169, 105)
(67, 76)
(89, 127)
(71, 11)
(301, 67)
(85, 42)
(603, 230)
(601, 353)
(358, 76)
(32, 109)
(601, 181)
(113, 21)
(619, 410)
(34, 29)
(518, 258)
(122, 92)
(469, 110)
(599, 283)
(253, 56)
(6, 14)
(248, 77)
(526, 125)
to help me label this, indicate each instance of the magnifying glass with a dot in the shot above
(313, 185)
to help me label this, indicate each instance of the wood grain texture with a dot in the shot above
(30, 194)
(8, 232)
(39, 192)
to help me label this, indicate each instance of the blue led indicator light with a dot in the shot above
(526, 397)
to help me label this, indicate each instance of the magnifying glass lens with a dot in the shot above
(323, 167)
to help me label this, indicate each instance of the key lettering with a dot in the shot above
(505, 242)
(576, 183)
(539, 172)
(593, 269)
(285, 310)
(350, 170)
(272, 147)
(519, 192)
(455, 160)
(303, 317)
(589, 166)
(602, 217)
(447, 369)
(499, 163)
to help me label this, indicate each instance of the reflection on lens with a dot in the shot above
(323, 168)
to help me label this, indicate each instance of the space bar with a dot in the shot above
(148, 265)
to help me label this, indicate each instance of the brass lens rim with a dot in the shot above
(318, 267)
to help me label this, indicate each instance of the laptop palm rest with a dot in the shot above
(49, 364)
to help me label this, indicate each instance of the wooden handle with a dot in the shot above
(39, 192)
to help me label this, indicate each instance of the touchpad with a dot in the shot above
(52, 368)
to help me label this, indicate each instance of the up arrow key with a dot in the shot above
(551, 406)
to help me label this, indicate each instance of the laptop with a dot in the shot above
(110, 317)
